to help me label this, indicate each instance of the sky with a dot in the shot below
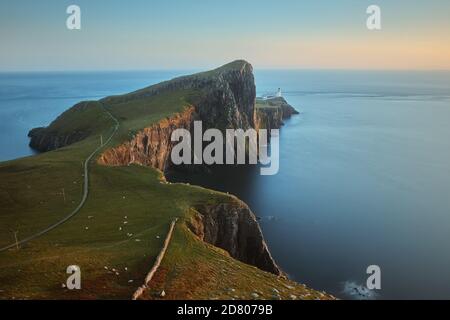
(192, 34)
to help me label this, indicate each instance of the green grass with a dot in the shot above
(37, 270)
(86, 116)
(273, 103)
(137, 114)
(197, 270)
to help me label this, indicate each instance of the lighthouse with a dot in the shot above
(279, 92)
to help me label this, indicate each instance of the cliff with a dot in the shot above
(43, 140)
(225, 98)
(150, 146)
(71, 126)
(270, 113)
(233, 227)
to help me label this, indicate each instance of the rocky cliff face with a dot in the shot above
(227, 98)
(151, 146)
(286, 108)
(68, 128)
(266, 118)
(233, 227)
(230, 102)
(44, 140)
(270, 113)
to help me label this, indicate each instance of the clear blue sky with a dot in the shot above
(149, 34)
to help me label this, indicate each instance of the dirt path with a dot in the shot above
(85, 191)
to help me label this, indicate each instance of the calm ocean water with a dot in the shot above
(29, 100)
(364, 170)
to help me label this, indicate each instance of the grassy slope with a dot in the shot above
(273, 103)
(30, 198)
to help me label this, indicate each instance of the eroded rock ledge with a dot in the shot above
(270, 113)
(233, 227)
(61, 133)
(151, 146)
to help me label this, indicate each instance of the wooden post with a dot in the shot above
(64, 195)
(17, 241)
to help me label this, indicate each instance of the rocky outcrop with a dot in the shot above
(70, 127)
(233, 227)
(230, 101)
(270, 113)
(41, 139)
(268, 118)
(286, 108)
(151, 146)
(226, 99)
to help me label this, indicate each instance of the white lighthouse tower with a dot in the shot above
(279, 92)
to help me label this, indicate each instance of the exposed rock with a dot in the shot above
(57, 135)
(268, 118)
(226, 100)
(227, 97)
(233, 227)
(287, 109)
(44, 140)
(151, 146)
(270, 113)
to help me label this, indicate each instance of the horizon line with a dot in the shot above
(82, 70)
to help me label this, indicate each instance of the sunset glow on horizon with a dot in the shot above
(179, 35)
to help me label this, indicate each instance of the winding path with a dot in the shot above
(85, 191)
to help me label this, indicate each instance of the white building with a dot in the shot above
(279, 92)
